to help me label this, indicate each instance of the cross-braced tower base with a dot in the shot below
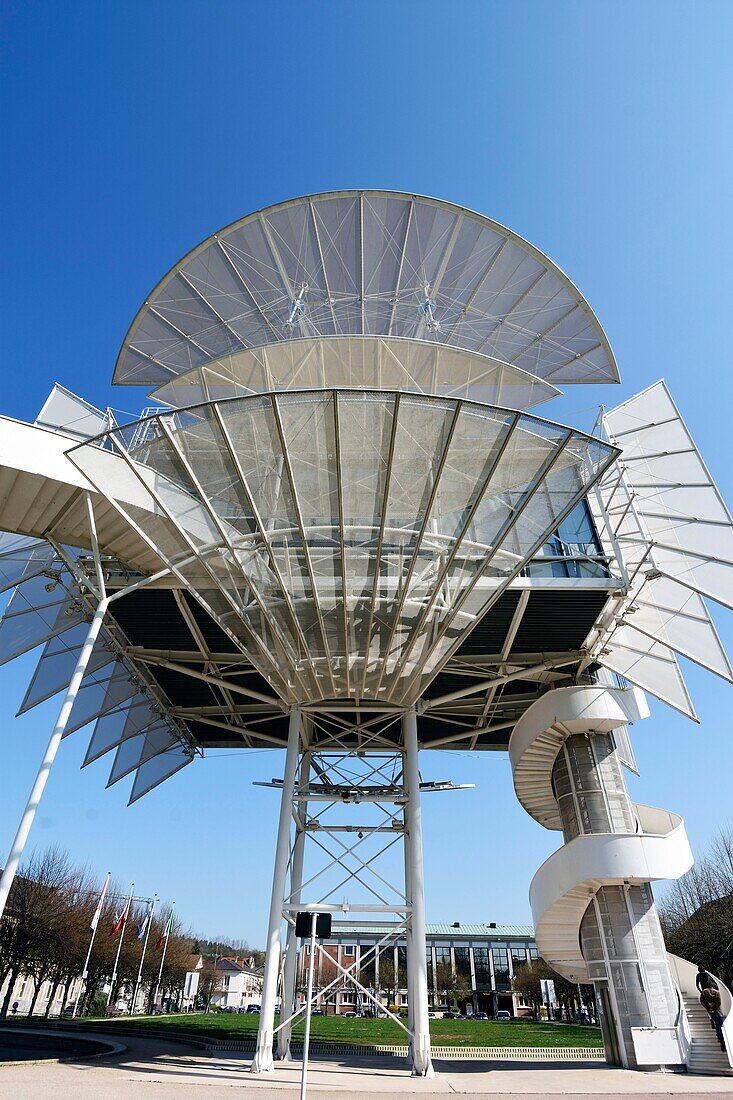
(382, 785)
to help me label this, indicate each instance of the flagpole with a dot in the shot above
(165, 947)
(95, 926)
(150, 912)
(168, 927)
(119, 946)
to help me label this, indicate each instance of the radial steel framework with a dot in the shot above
(338, 529)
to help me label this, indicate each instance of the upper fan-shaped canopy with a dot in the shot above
(366, 263)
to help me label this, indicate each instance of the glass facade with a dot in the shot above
(469, 969)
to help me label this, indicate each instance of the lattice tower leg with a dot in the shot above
(290, 966)
(417, 960)
(263, 1059)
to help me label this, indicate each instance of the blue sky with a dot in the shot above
(601, 132)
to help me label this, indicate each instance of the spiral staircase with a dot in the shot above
(564, 886)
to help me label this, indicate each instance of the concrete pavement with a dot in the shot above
(154, 1070)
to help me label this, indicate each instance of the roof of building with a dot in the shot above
(500, 931)
(239, 966)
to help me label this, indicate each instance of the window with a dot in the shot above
(575, 548)
(463, 962)
(519, 956)
(348, 950)
(402, 967)
(442, 956)
(501, 967)
(482, 966)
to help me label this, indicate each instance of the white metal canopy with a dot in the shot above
(367, 262)
(347, 540)
(360, 362)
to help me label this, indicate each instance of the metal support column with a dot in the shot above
(16, 851)
(417, 962)
(290, 966)
(263, 1060)
(408, 930)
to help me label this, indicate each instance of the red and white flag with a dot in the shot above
(166, 932)
(100, 903)
(121, 919)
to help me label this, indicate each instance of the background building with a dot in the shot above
(470, 966)
(239, 985)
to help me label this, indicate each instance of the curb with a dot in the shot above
(467, 1053)
(110, 1047)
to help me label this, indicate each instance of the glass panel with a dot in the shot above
(38, 609)
(58, 661)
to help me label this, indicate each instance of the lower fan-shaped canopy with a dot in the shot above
(359, 362)
(347, 540)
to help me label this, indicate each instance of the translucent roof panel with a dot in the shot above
(348, 540)
(360, 362)
(361, 263)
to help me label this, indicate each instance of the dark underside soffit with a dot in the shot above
(173, 627)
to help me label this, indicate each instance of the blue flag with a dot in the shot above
(143, 925)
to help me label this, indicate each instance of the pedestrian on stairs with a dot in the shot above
(710, 1000)
(702, 978)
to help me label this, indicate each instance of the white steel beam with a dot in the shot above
(416, 942)
(263, 1060)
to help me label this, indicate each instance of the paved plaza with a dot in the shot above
(163, 1071)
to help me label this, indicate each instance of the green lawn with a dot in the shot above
(489, 1033)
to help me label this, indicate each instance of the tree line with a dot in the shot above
(45, 934)
(577, 1002)
(697, 911)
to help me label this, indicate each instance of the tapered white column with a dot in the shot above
(417, 962)
(290, 966)
(263, 1060)
(408, 931)
(24, 828)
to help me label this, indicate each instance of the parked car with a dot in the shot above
(318, 1012)
(68, 1012)
(453, 1016)
(350, 1013)
(254, 1008)
(502, 1015)
(479, 1016)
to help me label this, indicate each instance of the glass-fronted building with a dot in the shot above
(470, 967)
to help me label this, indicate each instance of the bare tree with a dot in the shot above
(34, 920)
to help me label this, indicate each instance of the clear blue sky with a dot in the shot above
(601, 131)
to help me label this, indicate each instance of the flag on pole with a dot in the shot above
(143, 925)
(98, 910)
(121, 919)
(166, 932)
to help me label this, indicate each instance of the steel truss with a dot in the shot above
(319, 783)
